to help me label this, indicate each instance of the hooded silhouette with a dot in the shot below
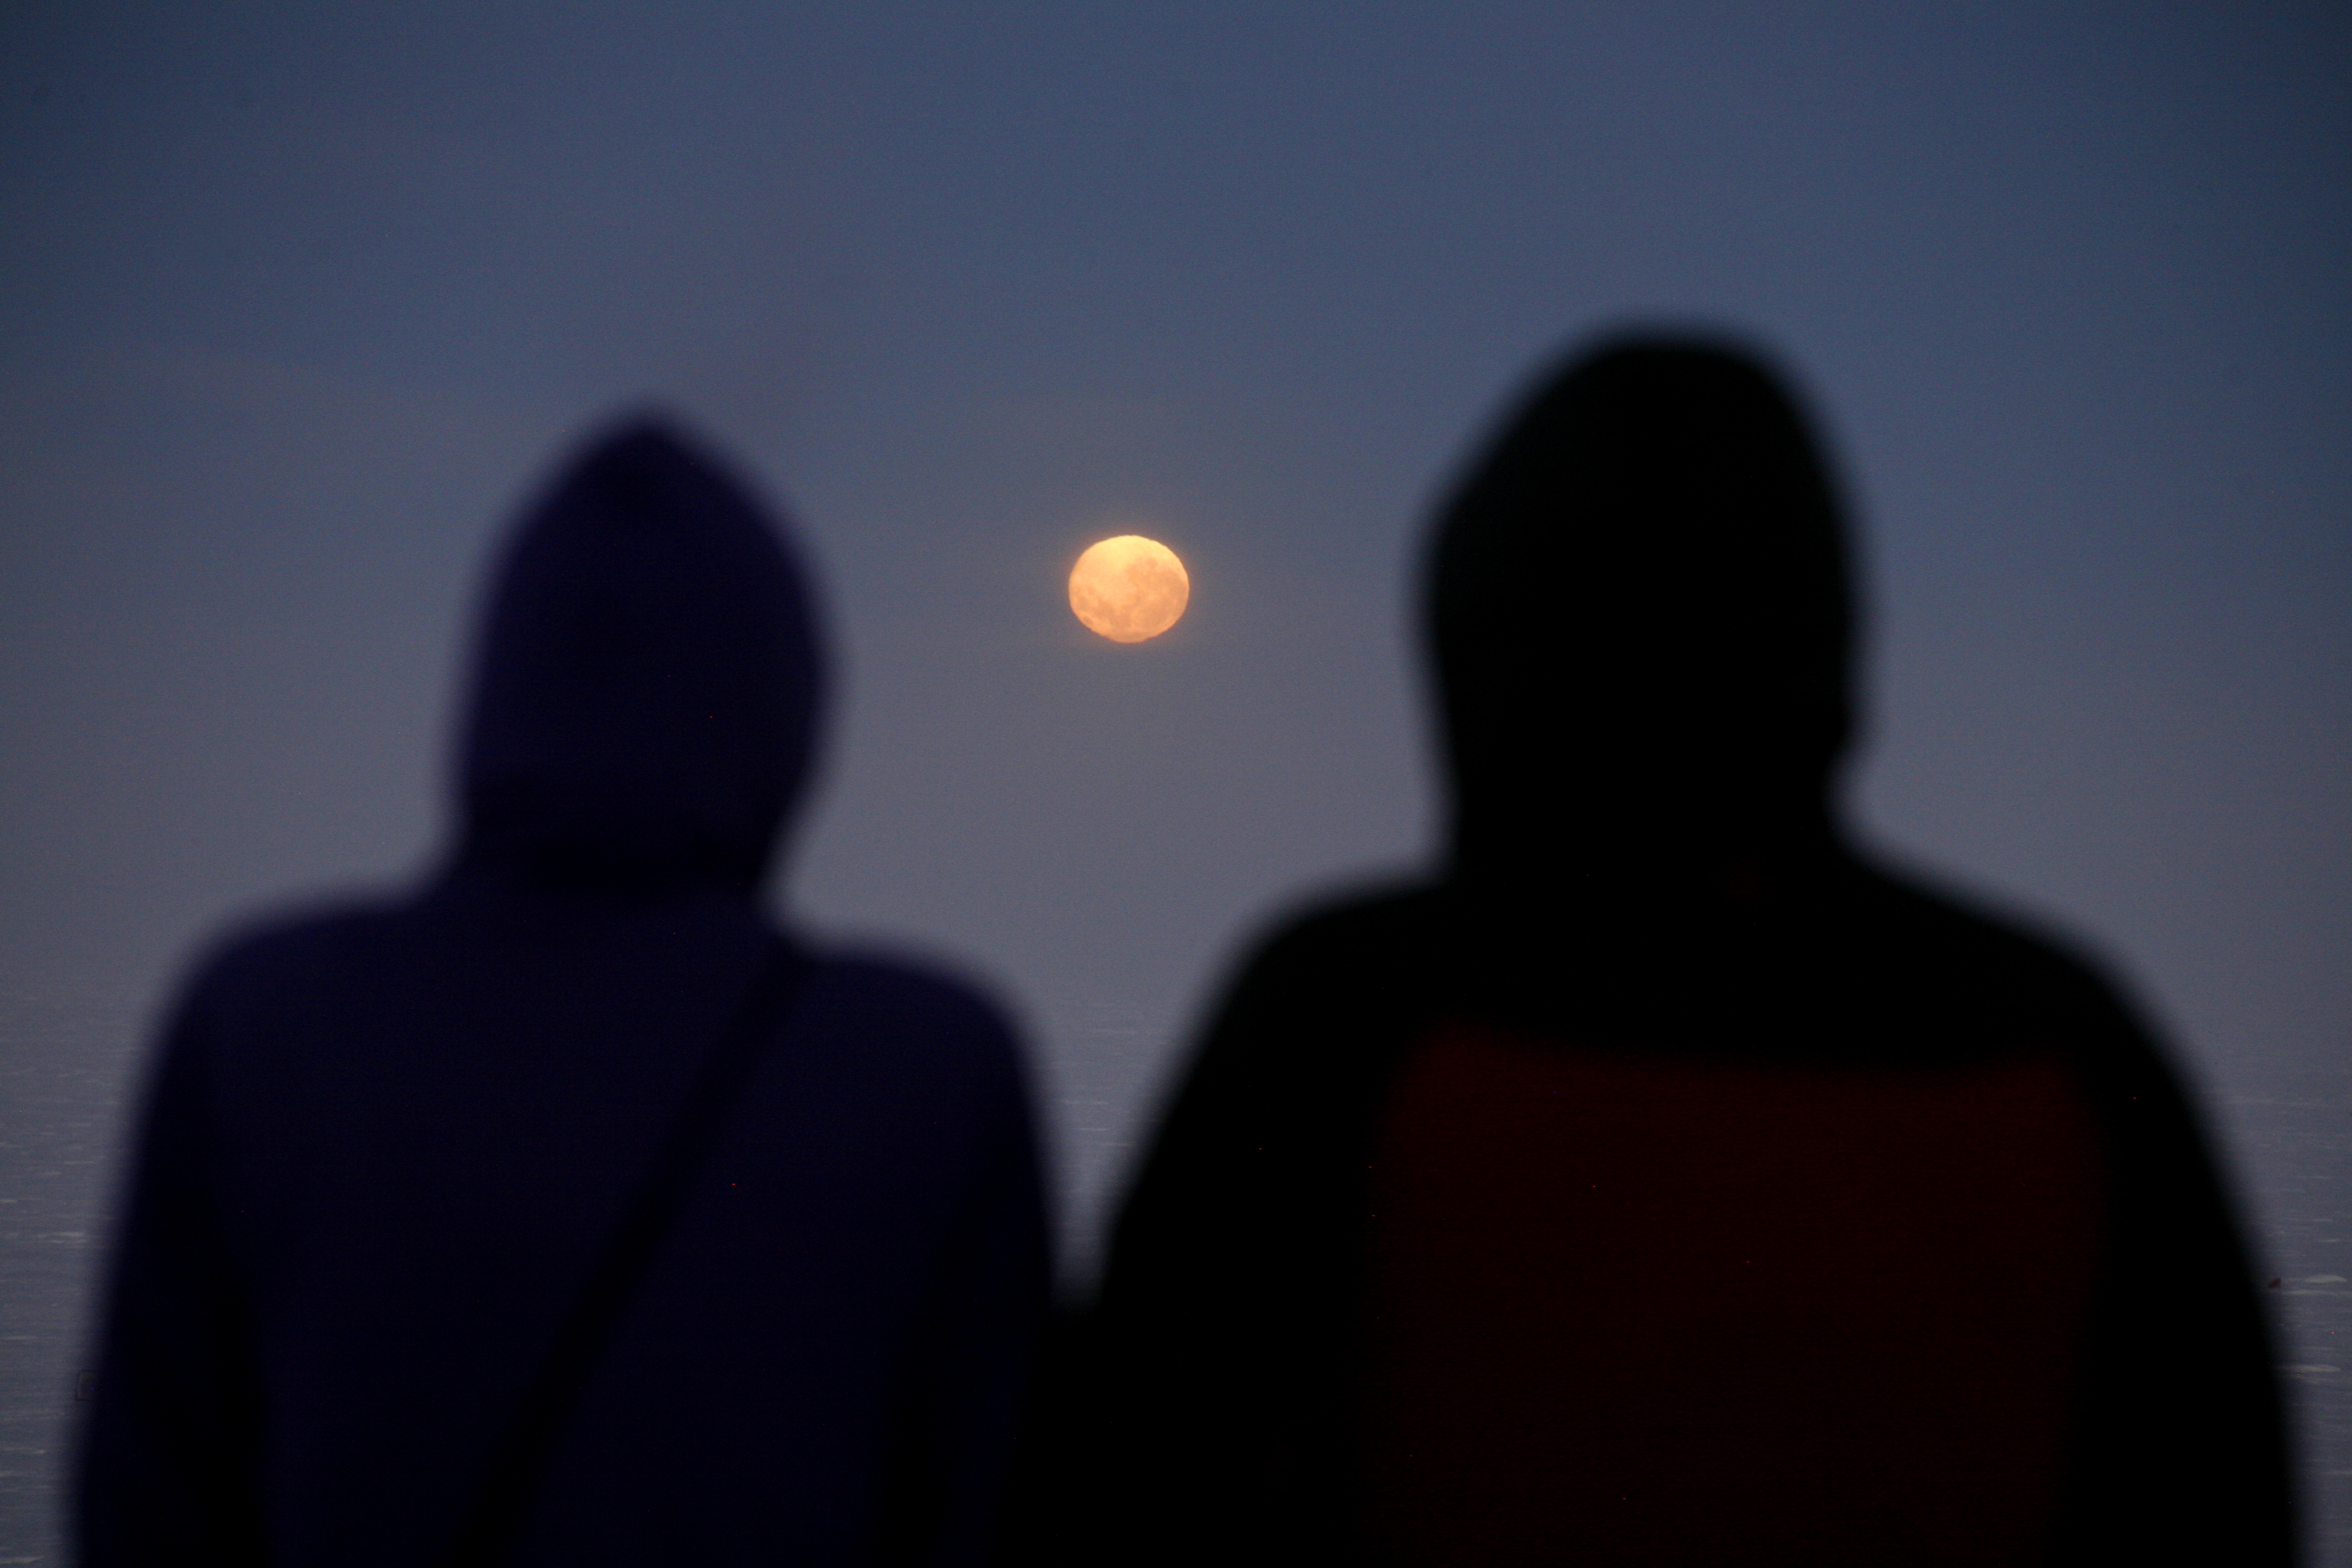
(387, 1147)
(1663, 1183)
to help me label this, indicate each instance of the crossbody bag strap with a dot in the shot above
(504, 1501)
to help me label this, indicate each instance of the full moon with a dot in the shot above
(1128, 588)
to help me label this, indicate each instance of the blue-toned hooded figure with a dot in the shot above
(388, 1148)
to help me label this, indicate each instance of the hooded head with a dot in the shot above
(1641, 619)
(645, 707)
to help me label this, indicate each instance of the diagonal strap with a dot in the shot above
(496, 1522)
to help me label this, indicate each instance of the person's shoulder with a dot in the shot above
(1929, 931)
(1355, 961)
(290, 950)
(873, 1017)
(918, 1001)
(1369, 925)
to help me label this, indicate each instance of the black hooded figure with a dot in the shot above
(1664, 1183)
(388, 1148)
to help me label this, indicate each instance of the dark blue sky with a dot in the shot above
(301, 301)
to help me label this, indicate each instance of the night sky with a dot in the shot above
(301, 302)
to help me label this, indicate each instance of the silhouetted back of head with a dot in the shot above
(1641, 620)
(645, 706)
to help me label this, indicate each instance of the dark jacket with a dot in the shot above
(384, 1145)
(1967, 1254)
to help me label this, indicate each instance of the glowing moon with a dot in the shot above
(1130, 588)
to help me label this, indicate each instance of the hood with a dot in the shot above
(645, 696)
(1641, 620)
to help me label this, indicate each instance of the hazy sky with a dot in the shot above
(300, 302)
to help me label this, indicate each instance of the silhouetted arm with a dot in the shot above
(969, 1393)
(1151, 1437)
(2184, 1452)
(1209, 1408)
(168, 1459)
(2180, 1450)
